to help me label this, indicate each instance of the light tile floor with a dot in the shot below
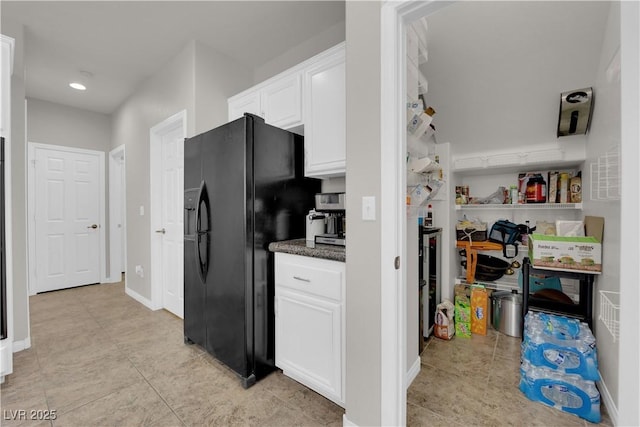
(474, 381)
(100, 358)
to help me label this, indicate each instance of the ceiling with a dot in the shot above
(496, 70)
(122, 43)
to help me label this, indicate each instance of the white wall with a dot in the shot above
(217, 77)
(51, 123)
(197, 80)
(629, 363)
(363, 382)
(164, 94)
(305, 50)
(18, 188)
(605, 134)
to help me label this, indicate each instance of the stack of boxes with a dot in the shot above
(471, 310)
(559, 365)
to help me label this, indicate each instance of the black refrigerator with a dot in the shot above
(244, 188)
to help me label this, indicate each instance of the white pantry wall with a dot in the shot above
(603, 136)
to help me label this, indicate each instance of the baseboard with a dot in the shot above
(112, 279)
(142, 300)
(413, 372)
(346, 422)
(605, 397)
(21, 345)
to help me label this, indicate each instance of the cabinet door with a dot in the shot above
(308, 342)
(282, 101)
(246, 103)
(325, 116)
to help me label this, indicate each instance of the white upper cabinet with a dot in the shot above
(246, 102)
(277, 100)
(325, 114)
(282, 101)
(312, 94)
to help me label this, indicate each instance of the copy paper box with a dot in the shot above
(479, 310)
(566, 253)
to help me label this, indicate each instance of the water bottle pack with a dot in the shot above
(560, 364)
(569, 393)
(560, 343)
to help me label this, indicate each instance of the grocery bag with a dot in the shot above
(444, 325)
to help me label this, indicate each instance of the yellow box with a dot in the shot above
(479, 309)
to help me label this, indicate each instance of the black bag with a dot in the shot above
(507, 233)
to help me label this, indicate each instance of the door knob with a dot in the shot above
(162, 231)
(93, 226)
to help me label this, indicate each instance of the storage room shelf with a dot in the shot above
(505, 283)
(524, 206)
(610, 312)
(508, 161)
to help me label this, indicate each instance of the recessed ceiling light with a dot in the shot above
(78, 86)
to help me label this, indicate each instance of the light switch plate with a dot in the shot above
(141, 210)
(369, 208)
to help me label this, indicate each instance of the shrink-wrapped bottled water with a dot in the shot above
(556, 342)
(567, 392)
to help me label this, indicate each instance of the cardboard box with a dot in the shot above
(462, 303)
(479, 309)
(566, 253)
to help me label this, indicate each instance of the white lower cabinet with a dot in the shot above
(310, 326)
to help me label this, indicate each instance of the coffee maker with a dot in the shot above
(332, 204)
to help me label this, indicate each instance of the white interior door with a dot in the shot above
(67, 206)
(170, 224)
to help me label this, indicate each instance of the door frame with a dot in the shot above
(395, 17)
(31, 213)
(117, 201)
(155, 199)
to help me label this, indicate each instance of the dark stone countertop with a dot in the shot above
(310, 249)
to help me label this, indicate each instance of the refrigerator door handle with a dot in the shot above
(202, 257)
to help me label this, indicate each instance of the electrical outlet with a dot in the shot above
(139, 271)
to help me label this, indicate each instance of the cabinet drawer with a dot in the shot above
(310, 275)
